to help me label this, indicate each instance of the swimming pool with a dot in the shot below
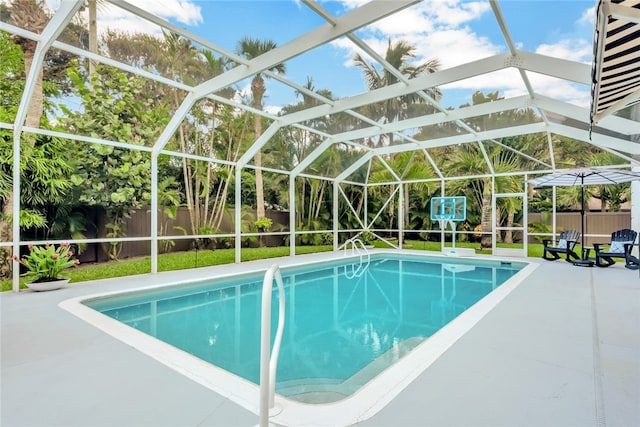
(348, 338)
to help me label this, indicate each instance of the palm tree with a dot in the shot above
(613, 195)
(507, 184)
(93, 32)
(252, 48)
(468, 160)
(205, 203)
(398, 56)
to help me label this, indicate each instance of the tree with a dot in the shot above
(44, 163)
(470, 160)
(408, 166)
(212, 130)
(294, 144)
(507, 184)
(252, 48)
(93, 32)
(42, 158)
(393, 109)
(30, 15)
(111, 177)
(614, 195)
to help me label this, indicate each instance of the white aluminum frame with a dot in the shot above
(613, 134)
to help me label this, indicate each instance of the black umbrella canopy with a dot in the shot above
(582, 177)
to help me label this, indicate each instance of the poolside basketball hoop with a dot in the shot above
(449, 210)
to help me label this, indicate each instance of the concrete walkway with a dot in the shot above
(563, 349)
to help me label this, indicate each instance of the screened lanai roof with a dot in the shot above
(317, 40)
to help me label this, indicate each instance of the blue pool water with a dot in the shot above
(341, 329)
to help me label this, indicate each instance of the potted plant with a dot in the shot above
(46, 264)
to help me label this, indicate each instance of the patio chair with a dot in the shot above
(621, 244)
(566, 242)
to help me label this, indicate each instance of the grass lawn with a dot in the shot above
(533, 249)
(171, 261)
(184, 260)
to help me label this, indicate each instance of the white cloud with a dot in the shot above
(352, 4)
(183, 11)
(574, 50)
(115, 18)
(454, 46)
(427, 17)
(435, 29)
(510, 84)
(427, 26)
(272, 109)
(454, 13)
(444, 30)
(508, 78)
(560, 89)
(244, 92)
(588, 17)
(405, 22)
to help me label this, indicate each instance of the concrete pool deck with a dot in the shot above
(562, 349)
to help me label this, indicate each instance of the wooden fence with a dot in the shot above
(139, 224)
(598, 226)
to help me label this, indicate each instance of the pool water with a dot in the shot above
(342, 329)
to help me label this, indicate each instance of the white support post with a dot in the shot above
(525, 216)
(335, 215)
(154, 213)
(16, 211)
(635, 185)
(553, 214)
(238, 215)
(453, 234)
(442, 231)
(400, 215)
(635, 206)
(494, 243)
(292, 215)
(365, 219)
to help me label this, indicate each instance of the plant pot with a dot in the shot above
(48, 286)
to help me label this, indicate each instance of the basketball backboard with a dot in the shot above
(449, 208)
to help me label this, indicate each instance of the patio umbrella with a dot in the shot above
(582, 177)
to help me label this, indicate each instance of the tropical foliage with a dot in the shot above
(62, 179)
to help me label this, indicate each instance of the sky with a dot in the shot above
(453, 31)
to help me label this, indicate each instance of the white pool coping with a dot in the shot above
(360, 406)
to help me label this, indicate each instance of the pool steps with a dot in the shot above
(458, 252)
(326, 390)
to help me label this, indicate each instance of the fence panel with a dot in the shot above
(598, 226)
(139, 224)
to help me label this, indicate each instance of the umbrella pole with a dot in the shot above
(582, 218)
(584, 260)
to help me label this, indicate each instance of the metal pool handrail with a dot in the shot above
(357, 250)
(268, 360)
